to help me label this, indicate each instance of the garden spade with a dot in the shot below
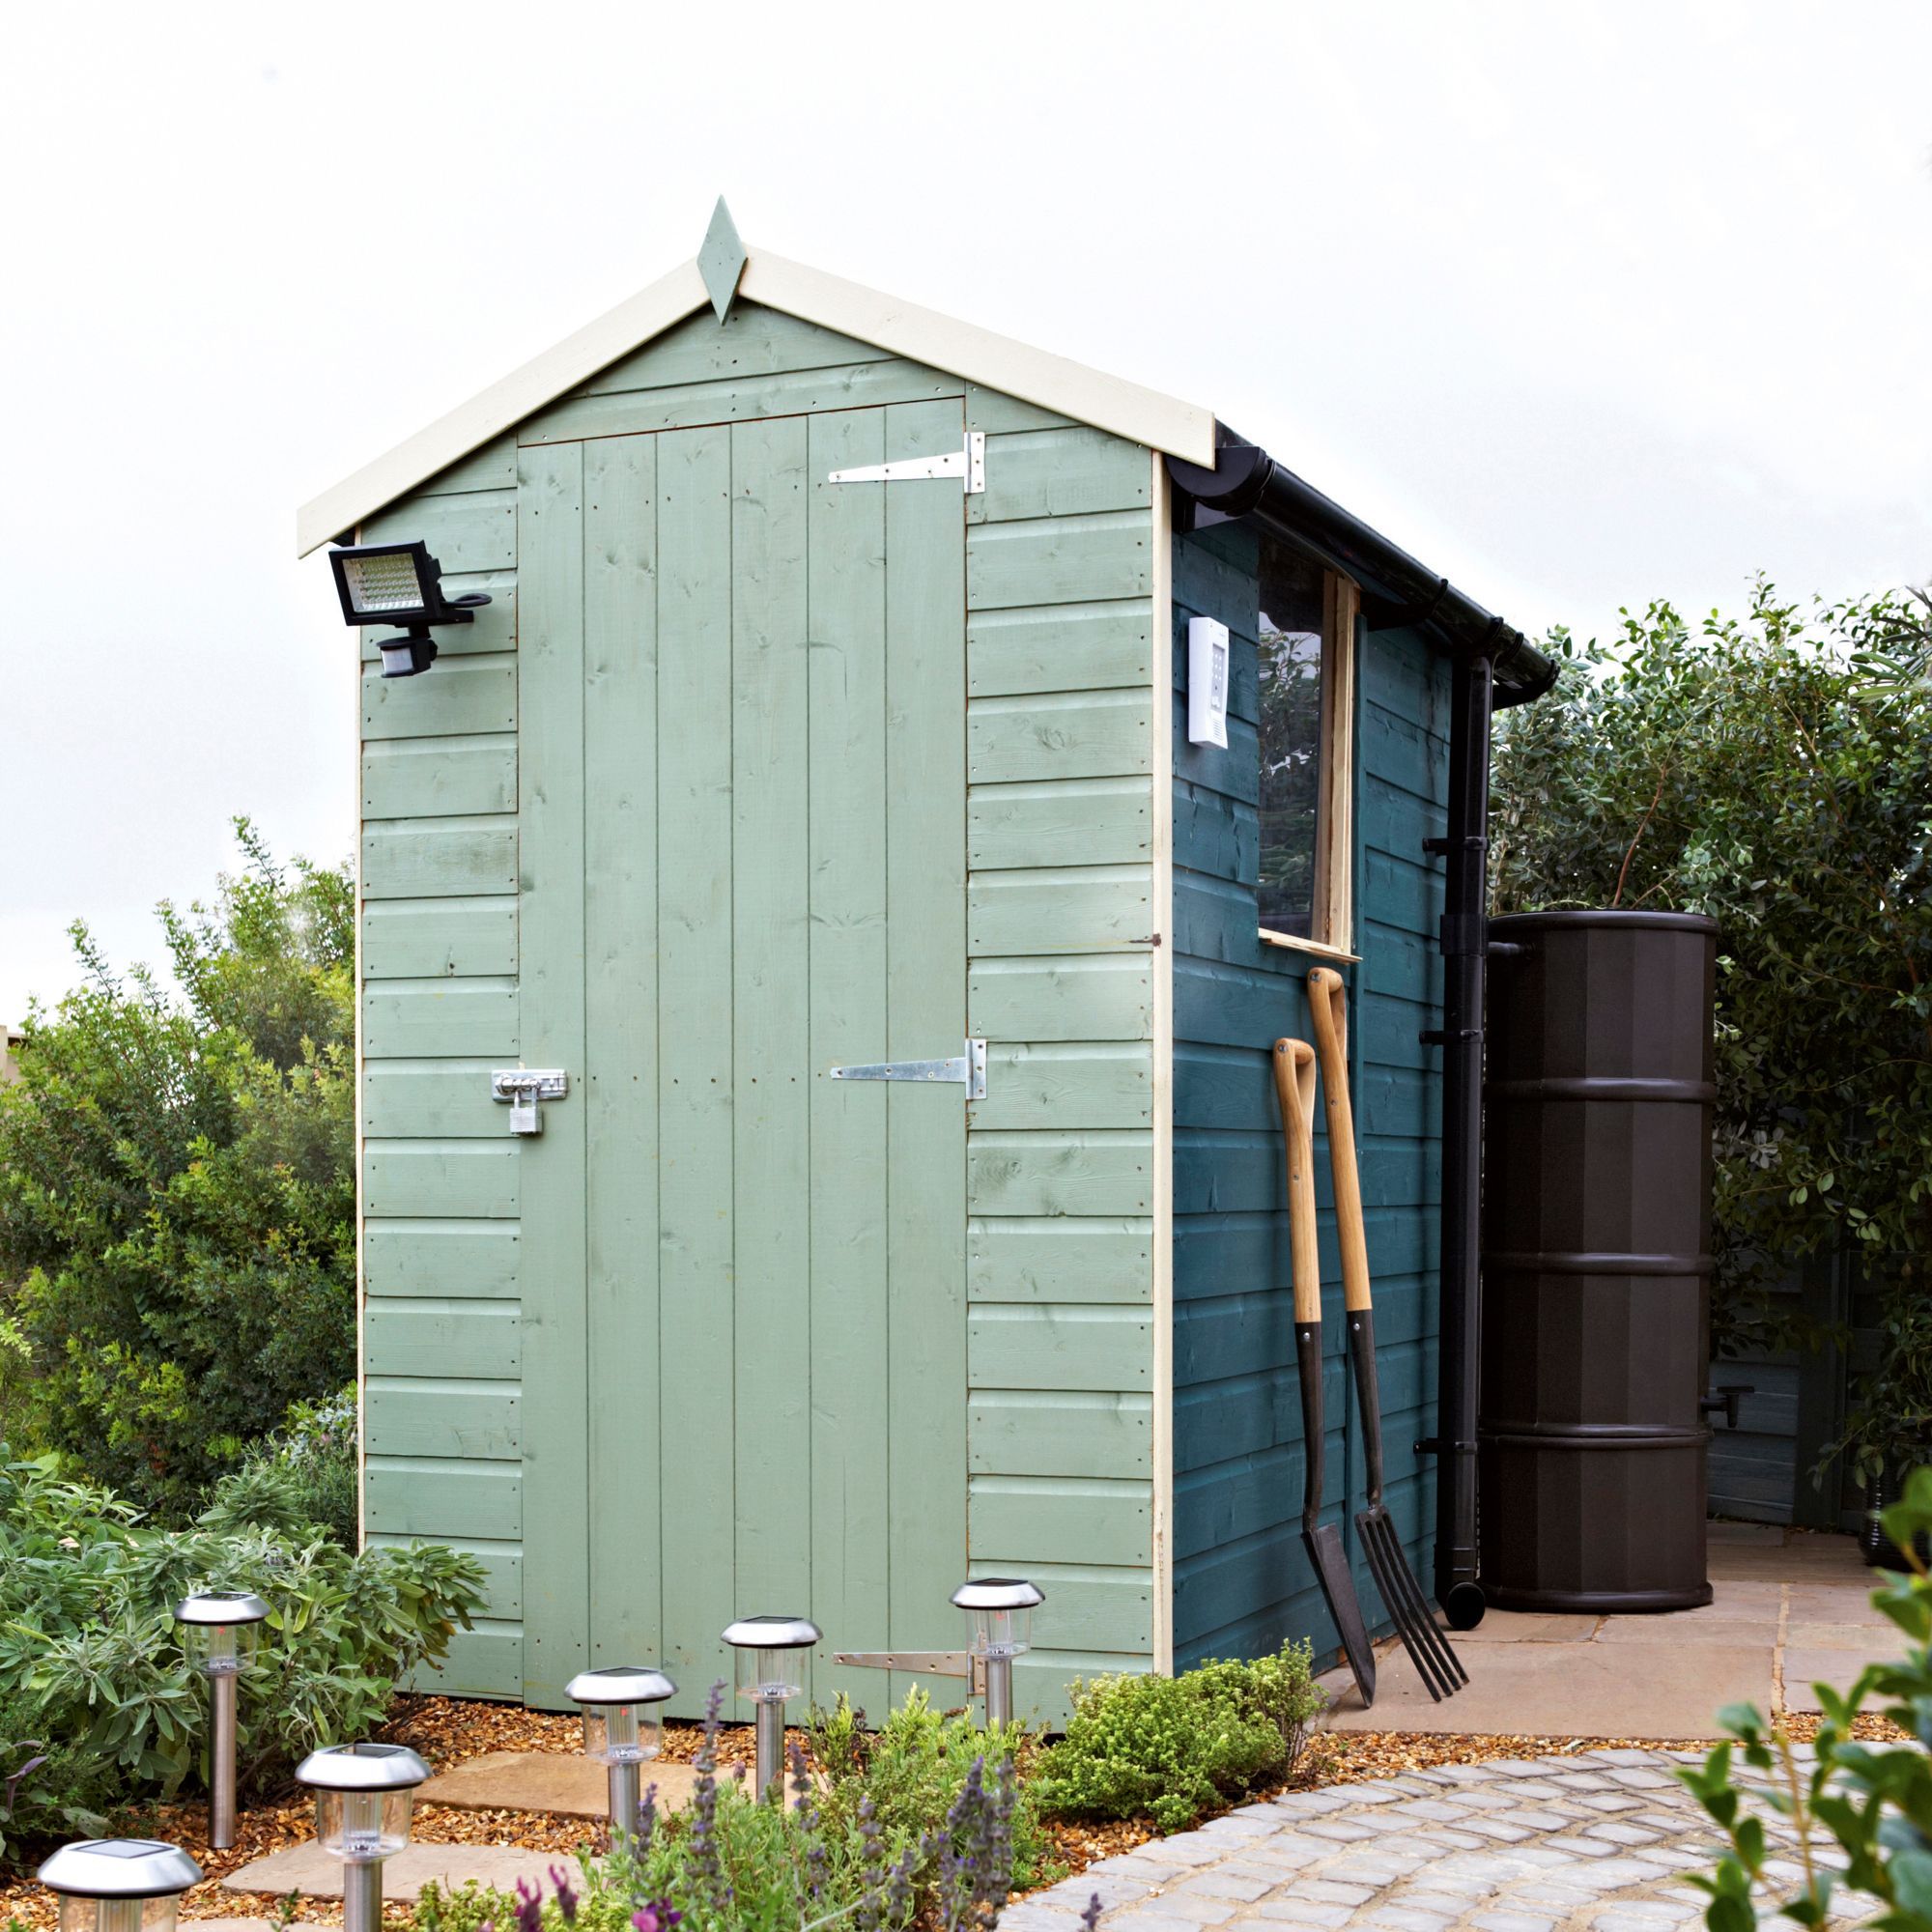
(1294, 1086)
(1438, 1666)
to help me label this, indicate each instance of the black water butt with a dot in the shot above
(1597, 1097)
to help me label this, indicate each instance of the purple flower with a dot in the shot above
(1091, 1917)
(530, 1909)
(659, 1916)
(566, 1898)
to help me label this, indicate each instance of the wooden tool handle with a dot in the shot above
(1328, 1007)
(1294, 1087)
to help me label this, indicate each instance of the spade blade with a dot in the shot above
(1324, 1543)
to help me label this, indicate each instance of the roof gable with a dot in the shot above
(919, 334)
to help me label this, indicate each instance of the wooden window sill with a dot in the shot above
(1316, 948)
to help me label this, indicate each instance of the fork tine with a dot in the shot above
(1427, 1667)
(1428, 1632)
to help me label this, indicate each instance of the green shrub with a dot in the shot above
(303, 1476)
(1172, 1749)
(177, 1191)
(912, 1770)
(1874, 1800)
(93, 1666)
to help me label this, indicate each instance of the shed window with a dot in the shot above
(1306, 632)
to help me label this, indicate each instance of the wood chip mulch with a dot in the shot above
(448, 1731)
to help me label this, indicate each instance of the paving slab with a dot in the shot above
(572, 1787)
(309, 1870)
(1564, 1689)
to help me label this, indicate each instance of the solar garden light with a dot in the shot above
(399, 584)
(767, 1667)
(622, 1731)
(118, 1885)
(364, 1796)
(219, 1629)
(999, 1611)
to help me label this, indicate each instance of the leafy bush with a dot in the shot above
(729, 1862)
(1174, 1747)
(177, 1190)
(92, 1664)
(1774, 773)
(303, 1476)
(911, 1772)
(1875, 1801)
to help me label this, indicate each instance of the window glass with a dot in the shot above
(1290, 637)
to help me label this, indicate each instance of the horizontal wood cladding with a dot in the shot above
(1061, 1433)
(460, 1178)
(1087, 1084)
(466, 530)
(437, 1017)
(440, 938)
(1061, 909)
(435, 1416)
(438, 777)
(1059, 1257)
(1059, 823)
(1029, 1520)
(439, 1335)
(442, 1496)
(475, 1258)
(1063, 999)
(869, 385)
(438, 858)
(463, 699)
(1095, 734)
(485, 1661)
(1039, 1345)
(1060, 473)
(1058, 559)
(1059, 648)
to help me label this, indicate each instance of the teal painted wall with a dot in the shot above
(1241, 1581)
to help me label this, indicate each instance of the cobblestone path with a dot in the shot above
(1596, 1842)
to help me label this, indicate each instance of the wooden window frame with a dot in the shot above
(1331, 908)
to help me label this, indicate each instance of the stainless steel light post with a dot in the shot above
(118, 1885)
(219, 1631)
(768, 1649)
(1000, 1611)
(363, 1797)
(622, 1732)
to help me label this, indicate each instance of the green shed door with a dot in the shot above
(743, 838)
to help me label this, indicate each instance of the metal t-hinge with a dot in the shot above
(526, 1088)
(968, 462)
(968, 1070)
(920, 1663)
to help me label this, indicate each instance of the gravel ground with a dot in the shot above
(447, 1730)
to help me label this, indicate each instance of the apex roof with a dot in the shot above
(726, 268)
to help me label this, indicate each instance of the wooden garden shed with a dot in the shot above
(749, 772)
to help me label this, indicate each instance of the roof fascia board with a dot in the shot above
(923, 335)
(500, 407)
(994, 362)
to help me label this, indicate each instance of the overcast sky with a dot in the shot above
(1584, 304)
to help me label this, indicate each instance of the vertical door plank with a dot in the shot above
(620, 1091)
(550, 667)
(850, 1442)
(695, 1060)
(925, 887)
(771, 1085)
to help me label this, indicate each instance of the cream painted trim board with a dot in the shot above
(921, 334)
(1162, 839)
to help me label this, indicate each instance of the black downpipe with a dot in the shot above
(1464, 950)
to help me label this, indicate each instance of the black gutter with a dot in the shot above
(1397, 590)
(1495, 666)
